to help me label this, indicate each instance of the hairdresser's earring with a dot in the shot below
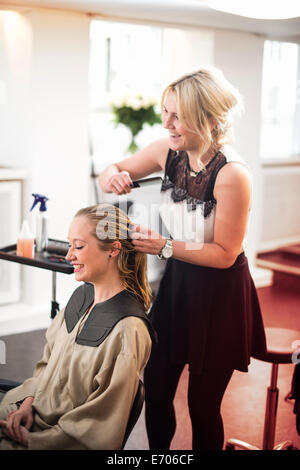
(214, 134)
(109, 256)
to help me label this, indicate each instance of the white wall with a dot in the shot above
(43, 121)
(185, 50)
(280, 202)
(275, 219)
(240, 55)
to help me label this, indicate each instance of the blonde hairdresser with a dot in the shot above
(206, 312)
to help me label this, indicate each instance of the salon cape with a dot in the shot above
(83, 393)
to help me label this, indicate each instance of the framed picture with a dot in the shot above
(10, 217)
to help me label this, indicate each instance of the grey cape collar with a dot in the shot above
(103, 316)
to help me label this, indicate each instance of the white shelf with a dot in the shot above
(10, 173)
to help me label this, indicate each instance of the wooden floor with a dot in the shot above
(243, 406)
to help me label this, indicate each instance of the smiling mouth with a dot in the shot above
(77, 267)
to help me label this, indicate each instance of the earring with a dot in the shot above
(109, 256)
(214, 132)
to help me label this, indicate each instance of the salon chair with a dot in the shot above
(136, 409)
(280, 350)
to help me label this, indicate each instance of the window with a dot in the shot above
(126, 59)
(280, 131)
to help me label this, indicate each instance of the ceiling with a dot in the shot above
(180, 12)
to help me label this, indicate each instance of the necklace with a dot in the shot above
(195, 173)
(211, 154)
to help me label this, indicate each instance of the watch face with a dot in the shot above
(167, 251)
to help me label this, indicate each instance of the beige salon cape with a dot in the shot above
(82, 394)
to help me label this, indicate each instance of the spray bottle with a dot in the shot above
(41, 222)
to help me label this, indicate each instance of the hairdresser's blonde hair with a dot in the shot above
(204, 98)
(112, 224)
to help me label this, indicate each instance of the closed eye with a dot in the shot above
(173, 114)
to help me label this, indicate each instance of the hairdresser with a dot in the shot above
(206, 312)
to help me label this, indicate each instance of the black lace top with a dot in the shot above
(185, 186)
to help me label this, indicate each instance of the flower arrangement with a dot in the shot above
(134, 112)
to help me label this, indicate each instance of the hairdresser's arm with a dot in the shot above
(117, 178)
(232, 192)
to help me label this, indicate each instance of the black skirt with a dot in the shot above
(208, 318)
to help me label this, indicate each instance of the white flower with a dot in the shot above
(117, 101)
(135, 102)
(149, 101)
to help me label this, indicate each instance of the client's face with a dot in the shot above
(89, 260)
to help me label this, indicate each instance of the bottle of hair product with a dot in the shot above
(25, 245)
(41, 222)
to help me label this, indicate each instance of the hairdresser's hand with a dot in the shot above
(120, 183)
(146, 240)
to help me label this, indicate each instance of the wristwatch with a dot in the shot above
(167, 250)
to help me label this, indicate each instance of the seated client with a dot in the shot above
(82, 390)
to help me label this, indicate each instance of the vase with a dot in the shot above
(133, 147)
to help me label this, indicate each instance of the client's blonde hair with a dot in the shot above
(112, 224)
